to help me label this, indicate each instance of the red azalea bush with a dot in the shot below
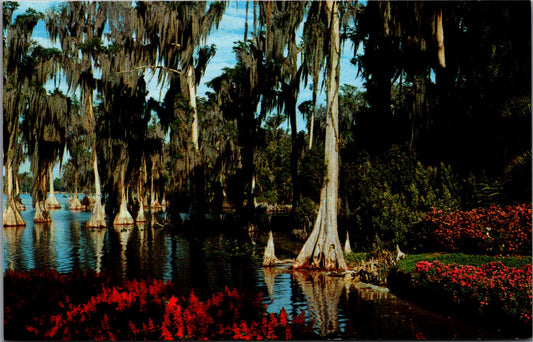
(493, 230)
(493, 287)
(136, 309)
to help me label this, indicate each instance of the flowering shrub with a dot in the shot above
(137, 309)
(493, 287)
(492, 230)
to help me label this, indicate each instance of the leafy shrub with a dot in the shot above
(392, 193)
(312, 173)
(491, 230)
(493, 287)
(305, 214)
(274, 181)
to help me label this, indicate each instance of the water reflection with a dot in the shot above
(210, 263)
(12, 238)
(96, 238)
(124, 233)
(44, 252)
(323, 293)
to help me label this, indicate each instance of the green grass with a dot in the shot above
(356, 258)
(407, 265)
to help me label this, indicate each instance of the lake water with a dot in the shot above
(209, 264)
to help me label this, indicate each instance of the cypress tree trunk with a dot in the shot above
(440, 40)
(192, 102)
(311, 129)
(347, 245)
(18, 201)
(140, 195)
(123, 217)
(75, 203)
(11, 215)
(269, 257)
(323, 248)
(154, 203)
(51, 202)
(41, 214)
(97, 219)
(164, 200)
(16, 179)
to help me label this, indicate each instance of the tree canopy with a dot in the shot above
(442, 88)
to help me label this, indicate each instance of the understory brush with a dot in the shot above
(389, 194)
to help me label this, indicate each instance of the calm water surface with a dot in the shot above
(210, 264)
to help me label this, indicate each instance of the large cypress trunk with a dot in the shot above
(51, 202)
(97, 219)
(41, 214)
(323, 248)
(11, 215)
(18, 201)
(75, 204)
(123, 217)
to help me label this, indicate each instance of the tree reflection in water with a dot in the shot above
(142, 239)
(323, 293)
(124, 233)
(97, 236)
(44, 244)
(12, 236)
(269, 276)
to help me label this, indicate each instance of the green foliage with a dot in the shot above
(306, 213)
(392, 193)
(356, 258)
(273, 170)
(517, 178)
(25, 180)
(29, 19)
(312, 173)
(58, 186)
(8, 7)
(92, 46)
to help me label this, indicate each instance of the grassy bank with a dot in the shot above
(407, 265)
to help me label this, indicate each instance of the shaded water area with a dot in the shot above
(209, 264)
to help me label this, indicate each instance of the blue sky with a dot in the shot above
(231, 29)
